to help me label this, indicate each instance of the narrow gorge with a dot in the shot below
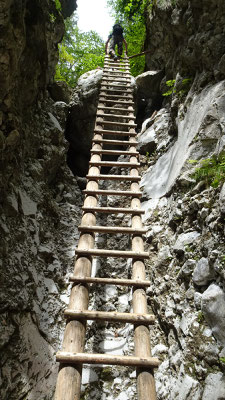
(46, 131)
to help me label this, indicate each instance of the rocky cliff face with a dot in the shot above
(40, 199)
(41, 202)
(184, 213)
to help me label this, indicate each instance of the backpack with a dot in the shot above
(117, 30)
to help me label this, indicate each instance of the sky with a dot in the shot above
(93, 15)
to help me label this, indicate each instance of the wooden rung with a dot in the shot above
(112, 73)
(111, 132)
(124, 102)
(115, 152)
(116, 90)
(116, 76)
(112, 65)
(114, 164)
(113, 84)
(109, 359)
(118, 142)
(125, 80)
(113, 210)
(111, 281)
(112, 316)
(112, 253)
(100, 114)
(119, 97)
(132, 125)
(112, 229)
(113, 192)
(131, 178)
(116, 109)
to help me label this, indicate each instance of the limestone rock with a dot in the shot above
(202, 273)
(28, 206)
(81, 121)
(161, 177)
(185, 239)
(213, 307)
(60, 91)
(222, 199)
(214, 387)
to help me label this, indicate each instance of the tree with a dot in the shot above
(79, 52)
(131, 15)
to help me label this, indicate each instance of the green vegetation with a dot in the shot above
(79, 52)
(131, 15)
(211, 170)
(58, 5)
(200, 317)
(185, 86)
(222, 359)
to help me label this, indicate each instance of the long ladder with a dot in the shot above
(115, 104)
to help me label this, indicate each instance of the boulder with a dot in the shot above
(214, 387)
(60, 91)
(202, 273)
(81, 120)
(183, 240)
(213, 307)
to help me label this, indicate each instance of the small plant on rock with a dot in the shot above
(211, 170)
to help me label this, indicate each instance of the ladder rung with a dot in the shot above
(116, 75)
(99, 114)
(112, 229)
(125, 101)
(114, 177)
(111, 84)
(113, 210)
(112, 253)
(119, 142)
(109, 359)
(125, 80)
(109, 61)
(113, 192)
(114, 164)
(112, 316)
(111, 132)
(116, 109)
(111, 281)
(115, 152)
(129, 96)
(116, 90)
(109, 66)
(132, 125)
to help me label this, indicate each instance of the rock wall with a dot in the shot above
(40, 200)
(184, 213)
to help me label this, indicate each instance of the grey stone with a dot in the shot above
(185, 239)
(214, 387)
(29, 207)
(220, 148)
(213, 307)
(11, 205)
(188, 267)
(159, 179)
(202, 273)
(222, 199)
(148, 84)
(55, 122)
(81, 120)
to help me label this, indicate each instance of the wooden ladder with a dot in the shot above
(115, 103)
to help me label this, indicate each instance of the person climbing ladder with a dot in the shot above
(116, 38)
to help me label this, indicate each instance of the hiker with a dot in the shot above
(116, 38)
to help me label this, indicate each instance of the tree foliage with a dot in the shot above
(131, 15)
(79, 52)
